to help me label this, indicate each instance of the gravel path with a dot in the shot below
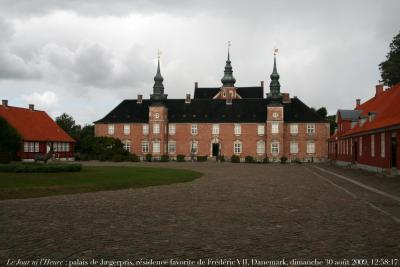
(234, 211)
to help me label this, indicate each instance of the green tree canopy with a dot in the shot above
(390, 68)
(322, 112)
(67, 123)
(10, 141)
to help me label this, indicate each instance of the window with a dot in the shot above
(310, 148)
(171, 147)
(275, 148)
(127, 145)
(31, 146)
(311, 128)
(260, 147)
(127, 129)
(294, 147)
(156, 146)
(373, 145)
(382, 145)
(157, 115)
(275, 127)
(237, 147)
(156, 128)
(193, 147)
(145, 147)
(360, 144)
(65, 147)
(294, 128)
(215, 129)
(171, 129)
(145, 129)
(275, 115)
(260, 129)
(111, 129)
(36, 146)
(194, 129)
(238, 129)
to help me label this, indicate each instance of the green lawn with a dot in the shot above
(27, 185)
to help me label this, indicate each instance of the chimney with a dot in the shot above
(196, 85)
(262, 84)
(379, 89)
(31, 107)
(358, 102)
(187, 100)
(139, 99)
(4, 102)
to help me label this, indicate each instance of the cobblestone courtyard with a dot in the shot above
(233, 211)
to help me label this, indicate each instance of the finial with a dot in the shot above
(275, 51)
(229, 45)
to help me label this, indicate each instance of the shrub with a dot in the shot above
(235, 159)
(10, 142)
(249, 159)
(266, 160)
(133, 158)
(180, 158)
(283, 160)
(164, 158)
(149, 157)
(117, 158)
(201, 158)
(40, 168)
(221, 158)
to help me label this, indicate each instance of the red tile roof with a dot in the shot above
(386, 105)
(34, 125)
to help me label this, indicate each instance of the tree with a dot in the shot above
(67, 123)
(322, 112)
(332, 122)
(390, 68)
(10, 142)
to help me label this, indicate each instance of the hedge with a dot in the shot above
(180, 158)
(33, 167)
(235, 159)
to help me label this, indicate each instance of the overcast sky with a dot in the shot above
(85, 57)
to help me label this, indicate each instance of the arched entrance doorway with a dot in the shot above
(215, 147)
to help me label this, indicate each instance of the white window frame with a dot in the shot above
(274, 148)
(171, 129)
(261, 147)
(194, 147)
(294, 128)
(127, 145)
(171, 147)
(145, 129)
(275, 127)
(294, 147)
(260, 129)
(156, 128)
(310, 148)
(145, 147)
(237, 129)
(215, 129)
(156, 147)
(193, 129)
(26, 146)
(36, 147)
(311, 128)
(382, 145)
(237, 147)
(127, 129)
(111, 129)
(372, 145)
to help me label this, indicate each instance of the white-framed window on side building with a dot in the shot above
(382, 145)
(275, 148)
(215, 129)
(145, 147)
(311, 128)
(171, 129)
(294, 128)
(127, 145)
(373, 145)
(193, 129)
(156, 128)
(275, 127)
(310, 148)
(237, 147)
(171, 147)
(261, 147)
(145, 129)
(237, 129)
(127, 129)
(260, 129)
(111, 129)
(294, 147)
(194, 147)
(156, 147)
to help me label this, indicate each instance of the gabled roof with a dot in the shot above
(244, 92)
(211, 110)
(34, 125)
(386, 108)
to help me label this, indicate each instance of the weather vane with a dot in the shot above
(229, 44)
(159, 52)
(275, 51)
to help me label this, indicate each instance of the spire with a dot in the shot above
(158, 88)
(228, 80)
(275, 86)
